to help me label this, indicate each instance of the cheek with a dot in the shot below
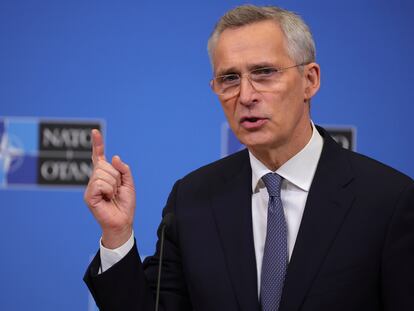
(281, 94)
(229, 108)
(290, 94)
(277, 102)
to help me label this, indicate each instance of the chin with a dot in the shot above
(262, 142)
(255, 142)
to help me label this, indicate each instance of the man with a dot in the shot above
(292, 223)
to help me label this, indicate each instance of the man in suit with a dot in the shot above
(292, 223)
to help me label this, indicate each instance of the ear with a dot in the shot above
(311, 74)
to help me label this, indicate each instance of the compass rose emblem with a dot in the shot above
(11, 153)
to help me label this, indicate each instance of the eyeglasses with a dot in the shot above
(262, 80)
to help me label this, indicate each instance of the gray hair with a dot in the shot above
(300, 44)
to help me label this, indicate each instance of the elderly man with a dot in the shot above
(292, 223)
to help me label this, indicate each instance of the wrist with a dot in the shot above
(113, 239)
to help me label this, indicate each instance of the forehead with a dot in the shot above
(246, 46)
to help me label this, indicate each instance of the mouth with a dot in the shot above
(252, 122)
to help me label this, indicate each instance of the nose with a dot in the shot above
(248, 95)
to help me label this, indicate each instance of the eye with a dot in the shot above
(263, 72)
(228, 79)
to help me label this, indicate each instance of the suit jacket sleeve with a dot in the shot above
(398, 255)
(131, 285)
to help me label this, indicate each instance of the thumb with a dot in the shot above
(125, 171)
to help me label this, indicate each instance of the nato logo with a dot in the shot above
(36, 152)
(343, 135)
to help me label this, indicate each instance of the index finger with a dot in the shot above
(98, 147)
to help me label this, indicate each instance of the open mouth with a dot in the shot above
(252, 122)
(251, 119)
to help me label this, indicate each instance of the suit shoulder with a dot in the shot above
(367, 167)
(221, 168)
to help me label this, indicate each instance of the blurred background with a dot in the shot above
(141, 68)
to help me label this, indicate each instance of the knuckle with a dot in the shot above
(102, 174)
(99, 163)
(99, 171)
(99, 184)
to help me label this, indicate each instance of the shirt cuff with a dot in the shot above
(109, 257)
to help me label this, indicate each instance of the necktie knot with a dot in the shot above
(273, 183)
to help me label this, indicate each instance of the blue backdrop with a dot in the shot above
(142, 66)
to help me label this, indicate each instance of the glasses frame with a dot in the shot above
(248, 76)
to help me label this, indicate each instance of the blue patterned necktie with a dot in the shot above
(275, 256)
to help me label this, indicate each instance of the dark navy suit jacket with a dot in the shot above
(354, 250)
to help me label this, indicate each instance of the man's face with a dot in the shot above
(271, 119)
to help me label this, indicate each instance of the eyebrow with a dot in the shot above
(234, 70)
(227, 71)
(261, 65)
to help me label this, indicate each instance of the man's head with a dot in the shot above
(265, 75)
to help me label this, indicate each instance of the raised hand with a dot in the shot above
(110, 195)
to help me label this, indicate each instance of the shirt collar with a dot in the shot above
(298, 170)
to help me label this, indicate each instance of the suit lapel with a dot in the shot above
(231, 204)
(329, 201)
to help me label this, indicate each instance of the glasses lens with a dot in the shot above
(226, 85)
(264, 79)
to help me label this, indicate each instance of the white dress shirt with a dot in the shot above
(297, 175)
